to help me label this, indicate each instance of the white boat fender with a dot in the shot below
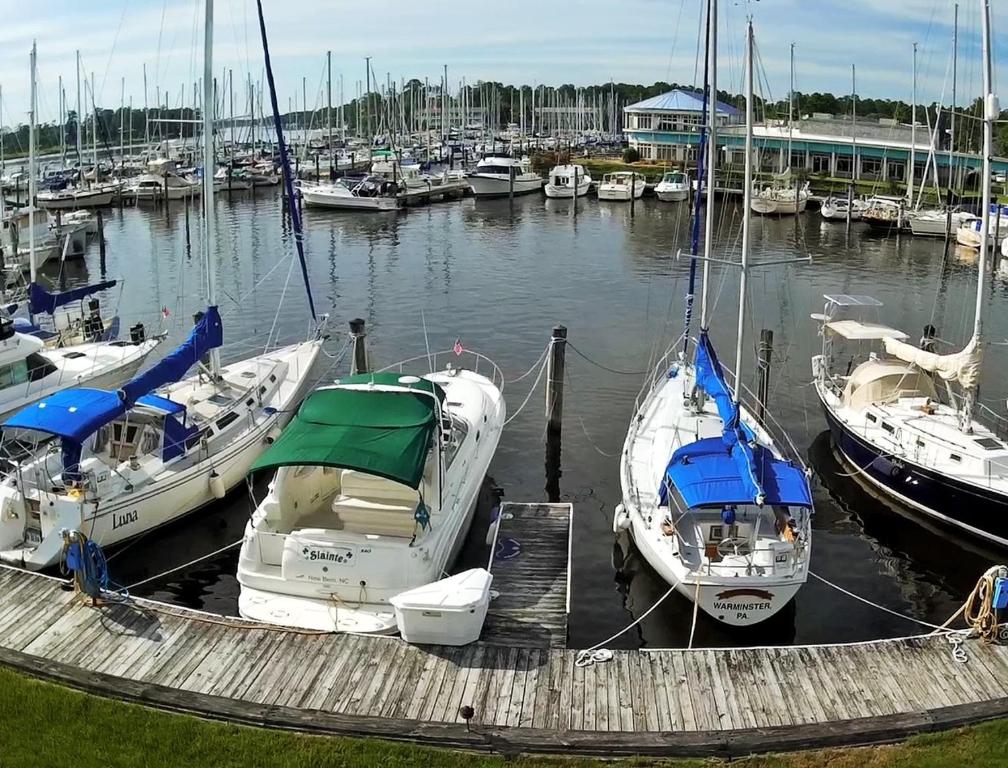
(217, 485)
(494, 524)
(621, 519)
(273, 435)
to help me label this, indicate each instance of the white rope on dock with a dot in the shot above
(866, 601)
(216, 552)
(535, 385)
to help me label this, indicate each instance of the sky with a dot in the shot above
(518, 41)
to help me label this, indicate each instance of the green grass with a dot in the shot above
(48, 725)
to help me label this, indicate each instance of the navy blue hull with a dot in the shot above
(943, 498)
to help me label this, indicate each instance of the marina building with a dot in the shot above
(666, 129)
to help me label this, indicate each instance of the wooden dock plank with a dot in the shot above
(405, 683)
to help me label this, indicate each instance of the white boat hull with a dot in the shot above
(84, 199)
(321, 199)
(495, 185)
(672, 195)
(566, 190)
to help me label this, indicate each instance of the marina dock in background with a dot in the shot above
(527, 692)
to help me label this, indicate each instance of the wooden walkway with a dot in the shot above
(530, 562)
(527, 698)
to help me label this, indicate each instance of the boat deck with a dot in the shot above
(529, 697)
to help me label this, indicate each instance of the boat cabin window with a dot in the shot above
(39, 367)
(503, 170)
(226, 419)
(989, 443)
(955, 457)
(13, 374)
(456, 436)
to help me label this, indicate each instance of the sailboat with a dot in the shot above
(709, 498)
(785, 196)
(919, 445)
(164, 444)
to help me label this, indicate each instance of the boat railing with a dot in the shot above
(789, 562)
(449, 358)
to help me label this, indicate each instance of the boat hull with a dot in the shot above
(349, 202)
(82, 200)
(564, 191)
(672, 195)
(493, 185)
(978, 511)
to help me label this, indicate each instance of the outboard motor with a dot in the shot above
(137, 334)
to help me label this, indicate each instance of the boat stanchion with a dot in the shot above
(764, 354)
(360, 356)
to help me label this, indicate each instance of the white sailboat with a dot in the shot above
(709, 499)
(921, 448)
(161, 446)
(351, 520)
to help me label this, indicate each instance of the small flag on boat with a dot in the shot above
(458, 348)
(165, 312)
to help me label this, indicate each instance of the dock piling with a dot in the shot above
(101, 239)
(574, 204)
(633, 189)
(850, 204)
(360, 356)
(554, 410)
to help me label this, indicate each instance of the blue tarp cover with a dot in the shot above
(709, 473)
(40, 301)
(73, 414)
(208, 334)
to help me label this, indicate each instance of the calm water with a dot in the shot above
(499, 277)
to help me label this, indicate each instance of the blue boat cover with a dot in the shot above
(734, 468)
(708, 473)
(208, 334)
(40, 301)
(73, 414)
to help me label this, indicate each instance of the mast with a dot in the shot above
(208, 173)
(31, 170)
(62, 123)
(3, 205)
(790, 110)
(80, 157)
(711, 163)
(146, 112)
(367, 92)
(329, 107)
(854, 160)
(991, 113)
(913, 130)
(94, 130)
(746, 213)
(952, 114)
(122, 116)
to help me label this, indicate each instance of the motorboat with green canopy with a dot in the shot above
(719, 506)
(377, 478)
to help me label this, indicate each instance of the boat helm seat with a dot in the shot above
(374, 518)
(360, 485)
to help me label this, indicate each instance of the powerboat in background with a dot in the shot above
(835, 209)
(499, 175)
(560, 183)
(674, 187)
(621, 185)
(370, 193)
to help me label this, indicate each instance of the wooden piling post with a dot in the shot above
(360, 356)
(764, 355)
(187, 206)
(574, 213)
(948, 222)
(850, 204)
(511, 175)
(101, 239)
(555, 379)
(554, 410)
(166, 194)
(633, 188)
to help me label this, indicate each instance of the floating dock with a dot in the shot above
(527, 691)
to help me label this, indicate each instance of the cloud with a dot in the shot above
(534, 41)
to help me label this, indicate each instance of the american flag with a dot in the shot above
(165, 312)
(458, 349)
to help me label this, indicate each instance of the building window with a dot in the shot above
(821, 164)
(666, 123)
(843, 166)
(871, 166)
(797, 160)
(897, 171)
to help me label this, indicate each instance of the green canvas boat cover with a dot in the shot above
(377, 431)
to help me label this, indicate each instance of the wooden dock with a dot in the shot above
(530, 697)
(530, 563)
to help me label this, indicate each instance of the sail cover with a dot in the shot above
(41, 301)
(710, 378)
(963, 366)
(206, 335)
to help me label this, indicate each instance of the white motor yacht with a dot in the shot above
(621, 185)
(561, 181)
(499, 175)
(376, 484)
(673, 188)
(371, 193)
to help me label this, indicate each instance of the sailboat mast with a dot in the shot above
(32, 173)
(208, 172)
(991, 113)
(790, 111)
(711, 162)
(913, 130)
(80, 157)
(746, 214)
(854, 160)
(94, 128)
(329, 107)
(955, 77)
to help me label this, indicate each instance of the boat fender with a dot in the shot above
(621, 519)
(217, 485)
(494, 524)
(273, 435)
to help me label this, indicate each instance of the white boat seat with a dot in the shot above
(360, 485)
(371, 517)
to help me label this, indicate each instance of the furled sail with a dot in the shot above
(963, 366)
(206, 335)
